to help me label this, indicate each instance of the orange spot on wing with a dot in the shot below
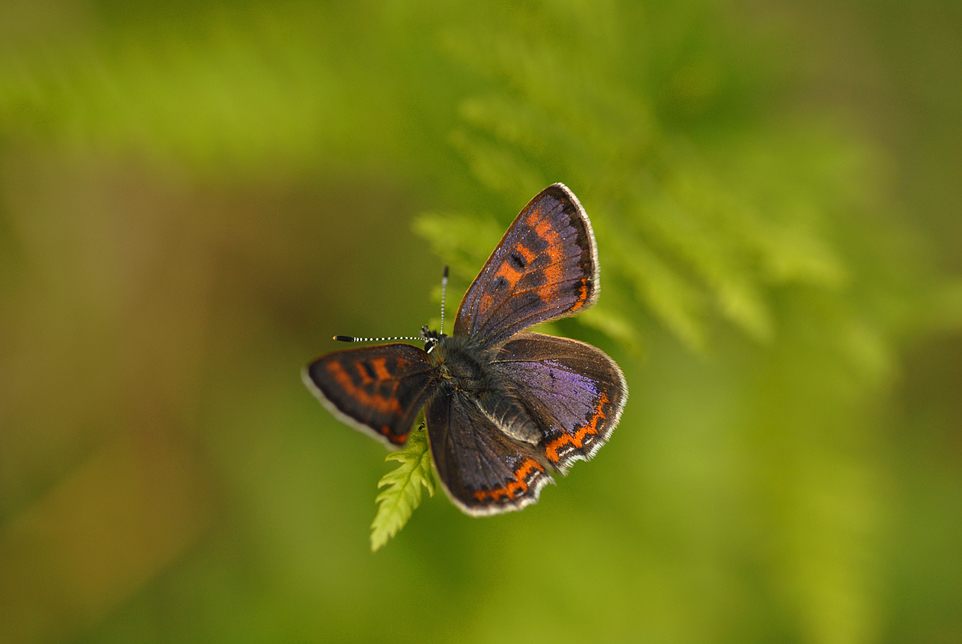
(577, 439)
(509, 274)
(358, 394)
(380, 369)
(526, 254)
(519, 483)
(554, 271)
(486, 302)
(582, 295)
(365, 379)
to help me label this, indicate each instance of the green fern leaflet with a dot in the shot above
(402, 488)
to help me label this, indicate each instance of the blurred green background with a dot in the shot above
(195, 197)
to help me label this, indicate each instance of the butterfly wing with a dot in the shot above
(481, 468)
(573, 391)
(377, 390)
(545, 267)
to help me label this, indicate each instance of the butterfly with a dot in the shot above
(505, 408)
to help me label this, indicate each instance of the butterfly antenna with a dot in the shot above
(444, 288)
(351, 338)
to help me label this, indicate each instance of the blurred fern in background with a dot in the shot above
(194, 197)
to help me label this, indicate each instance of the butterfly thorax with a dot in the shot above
(467, 368)
(462, 364)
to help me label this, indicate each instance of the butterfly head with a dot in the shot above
(431, 338)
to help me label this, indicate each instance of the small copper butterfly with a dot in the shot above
(505, 408)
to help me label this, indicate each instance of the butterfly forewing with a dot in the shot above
(573, 391)
(482, 469)
(378, 390)
(545, 267)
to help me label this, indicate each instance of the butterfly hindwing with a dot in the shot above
(573, 391)
(482, 469)
(545, 267)
(378, 390)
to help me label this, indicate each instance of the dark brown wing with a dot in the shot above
(377, 390)
(545, 267)
(481, 468)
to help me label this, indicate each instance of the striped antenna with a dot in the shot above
(351, 338)
(444, 288)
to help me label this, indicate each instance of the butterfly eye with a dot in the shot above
(431, 338)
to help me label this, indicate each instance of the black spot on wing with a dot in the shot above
(369, 370)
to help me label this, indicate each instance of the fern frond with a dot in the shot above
(402, 488)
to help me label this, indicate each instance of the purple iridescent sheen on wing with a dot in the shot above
(573, 391)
